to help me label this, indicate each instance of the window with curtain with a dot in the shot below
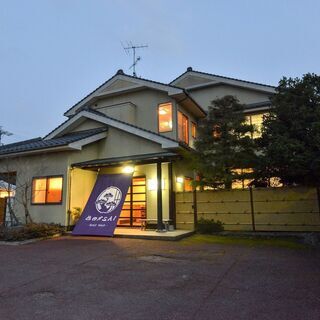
(47, 190)
(165, 117)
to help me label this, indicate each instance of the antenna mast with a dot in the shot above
(4, 133)
(131, 46)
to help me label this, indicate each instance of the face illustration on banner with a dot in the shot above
(108, 200)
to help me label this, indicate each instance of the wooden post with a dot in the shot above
(172, 214)
(195, 204)
(160, 226)
(252, 210)
(318, 197)
(195, 208)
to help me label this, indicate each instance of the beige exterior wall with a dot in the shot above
(146, 111)
(204, 96)
(81, 185)
(119, 144)
(126, 112)
(87, 125)
(33, 166)
(49, 164)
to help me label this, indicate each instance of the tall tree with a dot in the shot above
(224, 145)
(290, 142)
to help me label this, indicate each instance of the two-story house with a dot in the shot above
(127, 125)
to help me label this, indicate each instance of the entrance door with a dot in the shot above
(134, 208)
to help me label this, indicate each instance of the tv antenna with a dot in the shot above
(130, 46)
(4, 133)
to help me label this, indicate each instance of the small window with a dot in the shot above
(183, 128)
(193, 130)
(187, 184)
(47, 190)
(165, 117)
(216, 131)
(256, 120)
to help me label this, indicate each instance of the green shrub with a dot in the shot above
(209, 226)
(30, 231)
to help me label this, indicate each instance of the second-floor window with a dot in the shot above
(165, 117)
(193, 130)
(256, 120)
(183, 128)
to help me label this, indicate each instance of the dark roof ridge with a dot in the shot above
(224, 77)
(20, 142)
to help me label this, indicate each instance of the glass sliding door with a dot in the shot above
(134, 208)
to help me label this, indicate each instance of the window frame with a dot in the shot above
(188, 125)
(158, 118)
(193, 126)
(190, 180)
(46, 191)
(249, 117)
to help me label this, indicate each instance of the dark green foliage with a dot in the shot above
(206, 226)
(224, 144)
(30, 231)
(290, 143)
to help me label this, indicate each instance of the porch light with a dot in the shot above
(179, 179)
(128, 169)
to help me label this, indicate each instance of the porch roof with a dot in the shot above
(134, 159)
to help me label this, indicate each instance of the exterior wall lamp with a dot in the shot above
(128, 169)
(179, 179)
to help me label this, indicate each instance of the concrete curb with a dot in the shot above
(23, 242)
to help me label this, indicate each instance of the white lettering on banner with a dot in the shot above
(101, 218)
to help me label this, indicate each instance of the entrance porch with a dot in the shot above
(149, 203)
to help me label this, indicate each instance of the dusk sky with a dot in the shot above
(53, 53)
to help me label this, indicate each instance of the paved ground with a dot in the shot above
(140, 279)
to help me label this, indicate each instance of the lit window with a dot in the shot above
(244, 183)
(256, 120)
(183, 128)
(187, 184)
(193, 130)
(47, 190)
(216, 131)
(165, 117)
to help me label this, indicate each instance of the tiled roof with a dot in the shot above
(222, 77)
(39, 143)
